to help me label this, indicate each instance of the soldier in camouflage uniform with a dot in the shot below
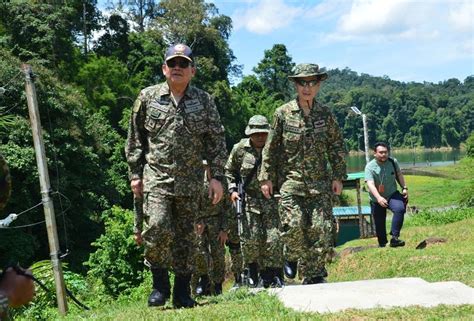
(233, 243)
(5, 183)
(305, 136)
(261, 245)
(211, 228)
(171, 126)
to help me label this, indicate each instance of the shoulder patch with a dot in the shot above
(136, 105)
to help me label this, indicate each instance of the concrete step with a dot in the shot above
(369, 294)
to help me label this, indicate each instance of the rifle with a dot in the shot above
(240, 205)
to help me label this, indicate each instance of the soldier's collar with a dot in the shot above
(189, 92)
(247, 143)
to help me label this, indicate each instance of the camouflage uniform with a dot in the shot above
(233, 243)
(5, 183)
(298, 150)
(210, 255)
(260, 235)
(164, 147)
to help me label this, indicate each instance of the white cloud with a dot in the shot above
(265, 16)
(461, 16)
(382, 17)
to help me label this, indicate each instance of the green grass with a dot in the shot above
(450, 261)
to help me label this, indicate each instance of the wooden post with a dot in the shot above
(45, 189)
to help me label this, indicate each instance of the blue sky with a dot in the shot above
(407, 40)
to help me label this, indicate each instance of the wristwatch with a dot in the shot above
(404, 187)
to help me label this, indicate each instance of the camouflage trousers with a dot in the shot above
(308, 231)
(210, 254)
(260, 233)
(169, 231)
(233, 243)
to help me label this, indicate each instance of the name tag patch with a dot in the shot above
(293, 126)
(192, 106)
(162, 106)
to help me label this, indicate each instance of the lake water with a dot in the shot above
(406, 159)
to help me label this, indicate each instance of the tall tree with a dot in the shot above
(273, 71)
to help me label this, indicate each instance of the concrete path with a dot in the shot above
(369, 294)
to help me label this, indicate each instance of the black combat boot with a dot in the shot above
(161, 287)
(314, 280)
(290, 268)
(218, 289)
(204, 286)
(277, 278)
(266, 277)
(253, 275)
(237, 281)
(182, 292)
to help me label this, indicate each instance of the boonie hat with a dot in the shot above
(308, 70)
(257, 124)
(179, 50)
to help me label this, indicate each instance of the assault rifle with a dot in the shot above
(240, 205)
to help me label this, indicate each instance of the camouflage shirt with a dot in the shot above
(5, 183)
(241, 161)
(298, 150)
(166, 143)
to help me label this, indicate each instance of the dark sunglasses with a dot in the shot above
(309, 83)
(182, 63)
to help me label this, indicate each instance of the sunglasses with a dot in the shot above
(182, 63)
(309, 83)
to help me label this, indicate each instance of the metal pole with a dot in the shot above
(45, 189)
(366, 138)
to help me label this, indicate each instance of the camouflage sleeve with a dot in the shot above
(272, 153)
(232, 169)
(138, 209)
(336, 150)
(225, 212)
(5, 183)
(135, 145)
(214, 141)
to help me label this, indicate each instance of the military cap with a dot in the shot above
(179, 50)
(308, 70)
(257, 124)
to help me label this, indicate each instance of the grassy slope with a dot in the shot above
(452, 261)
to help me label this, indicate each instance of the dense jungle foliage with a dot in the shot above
(89, 72)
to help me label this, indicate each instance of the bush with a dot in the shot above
(470, 145)
(440, 218)
(117, 263)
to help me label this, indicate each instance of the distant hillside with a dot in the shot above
(424, 114)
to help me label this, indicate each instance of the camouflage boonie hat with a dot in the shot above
(308, 70)
(257, 124)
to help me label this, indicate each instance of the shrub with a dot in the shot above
(117, 263)
(440, 218)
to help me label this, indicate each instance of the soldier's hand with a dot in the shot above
(234, 196)
(137, 187)
(222, 237)
(215, 191)
(199, 228)
(337, 187)
(138, 238)
(267, 188)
